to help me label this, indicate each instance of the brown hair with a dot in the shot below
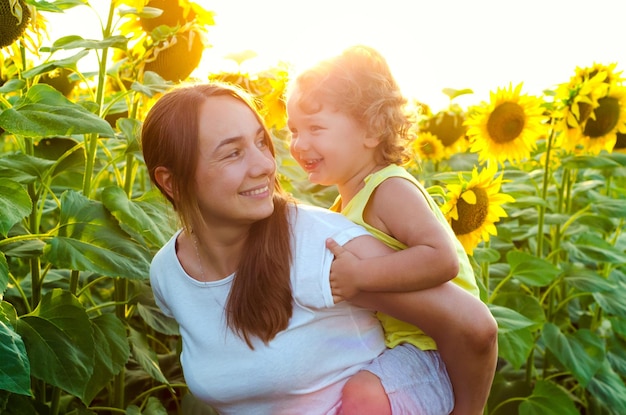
(359, 83)
(260, 301)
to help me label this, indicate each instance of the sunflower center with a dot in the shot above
(471, 216)
(428, 148)
(620, 141)
(506, 122)
(607, 115)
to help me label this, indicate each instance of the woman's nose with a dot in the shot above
(263, 163)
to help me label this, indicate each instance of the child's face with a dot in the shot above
(329, 145)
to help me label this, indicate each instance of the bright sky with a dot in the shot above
(430, 45)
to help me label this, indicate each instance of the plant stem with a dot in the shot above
(544, 191)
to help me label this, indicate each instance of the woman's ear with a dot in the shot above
(163, 177)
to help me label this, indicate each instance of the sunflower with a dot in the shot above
(508, 127)
(165, 36)
(599, 130)
(14, 17)
(448, 127)
(427, 146)
(474, 207)
(620, 143)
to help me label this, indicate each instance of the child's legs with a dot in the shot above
(404, 381)
(364, 394)
(462, 326)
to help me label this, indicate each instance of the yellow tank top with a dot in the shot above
(396, 331)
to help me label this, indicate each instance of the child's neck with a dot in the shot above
(350, 188)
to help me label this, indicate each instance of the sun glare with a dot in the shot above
(429, 45)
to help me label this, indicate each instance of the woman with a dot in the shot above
(247, 276)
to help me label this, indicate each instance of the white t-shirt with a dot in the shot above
(303, 369)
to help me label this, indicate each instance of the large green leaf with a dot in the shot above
(15, 204)
(157, 320)
(524, 304)
(23, 168)
(530, 269)
(112, 352)
(146, 356)
(608, 388)
(592, 248)
(59, 341)
(69, 62)
(138, 217)
(90, 239)
(616, 354)
(515, 335)
(613, 301)
(548, 399)
(586, 280)
(75, 42)
(45, 112)
(14, 365)
(583, 162)
(582, 352)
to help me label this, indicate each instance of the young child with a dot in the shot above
(349, 128)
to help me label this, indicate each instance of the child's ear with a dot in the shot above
(372, 142)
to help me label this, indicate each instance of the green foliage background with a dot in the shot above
(79, 223)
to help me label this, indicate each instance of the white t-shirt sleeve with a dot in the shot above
(311, 285)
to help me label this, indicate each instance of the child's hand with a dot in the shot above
(343, 272)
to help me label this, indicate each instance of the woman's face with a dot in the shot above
(236, 170)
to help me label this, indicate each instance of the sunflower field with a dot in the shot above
(533, 186)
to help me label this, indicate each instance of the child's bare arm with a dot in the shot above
(400, 210)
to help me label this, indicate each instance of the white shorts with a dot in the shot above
(416, 381)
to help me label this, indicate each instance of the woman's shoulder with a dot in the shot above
(316, 223)
(309, 215)
(167, 252)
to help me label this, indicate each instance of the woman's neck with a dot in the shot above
(217, 253)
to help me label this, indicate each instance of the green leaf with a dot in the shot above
(582, 352)
(153, 316)
(593, 248)
(515, 334)
(23, 168)
(154, 407)
(145, 356)
(612, 301)
(585, 162)
(523, 304)
(90, 239)
(616, 354)
(74, 42)
(548, 399)
(585, 280)
(51, 65)
(12, 85)
(608, 388)
(14, 365)
(453, 93)
(111, 352)
(59, 341)
(531, 270)
(45, 112)
(4, 274)
(15, 204)
(135, 218)
(152, 84)
(612, 208)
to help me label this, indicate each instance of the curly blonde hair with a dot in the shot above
(358, 82)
